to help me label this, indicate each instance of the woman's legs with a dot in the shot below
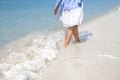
(71, 31)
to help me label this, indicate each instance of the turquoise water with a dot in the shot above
(22, 17)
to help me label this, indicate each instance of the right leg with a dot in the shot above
(68, 36)
(75, 32)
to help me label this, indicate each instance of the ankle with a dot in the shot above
(77, 40)
(65, 45)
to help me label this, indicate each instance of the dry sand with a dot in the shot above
(97, 57)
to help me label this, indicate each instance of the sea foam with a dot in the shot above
(28, 57)
(119, 8)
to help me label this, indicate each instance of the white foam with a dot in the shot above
(27, 59)
(119, 8)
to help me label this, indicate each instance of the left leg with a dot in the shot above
(75, 33)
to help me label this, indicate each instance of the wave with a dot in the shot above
(28, 57)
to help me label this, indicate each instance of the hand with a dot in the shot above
(55, 11)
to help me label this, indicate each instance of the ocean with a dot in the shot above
(31, 35)
(20, 18)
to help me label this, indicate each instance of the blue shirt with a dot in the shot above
(69, 4)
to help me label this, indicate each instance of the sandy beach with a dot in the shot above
(97, 57)
(41, 56)
(32, 42)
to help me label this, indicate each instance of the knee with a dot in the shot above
(71, 28)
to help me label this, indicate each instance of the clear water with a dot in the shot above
(22, 17)
(40, 36)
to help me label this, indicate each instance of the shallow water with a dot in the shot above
(28, 57)
(20, 18)
(32, 45)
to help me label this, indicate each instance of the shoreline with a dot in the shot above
(96, 58)
(92, 59)
(101, 15)
(6, 46)
(84, 23)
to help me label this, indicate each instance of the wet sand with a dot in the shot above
(97, 57)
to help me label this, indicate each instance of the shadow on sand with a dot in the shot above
(84, 36)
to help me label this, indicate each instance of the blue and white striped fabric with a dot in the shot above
(69, 4)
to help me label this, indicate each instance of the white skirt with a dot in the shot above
(72, 18)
